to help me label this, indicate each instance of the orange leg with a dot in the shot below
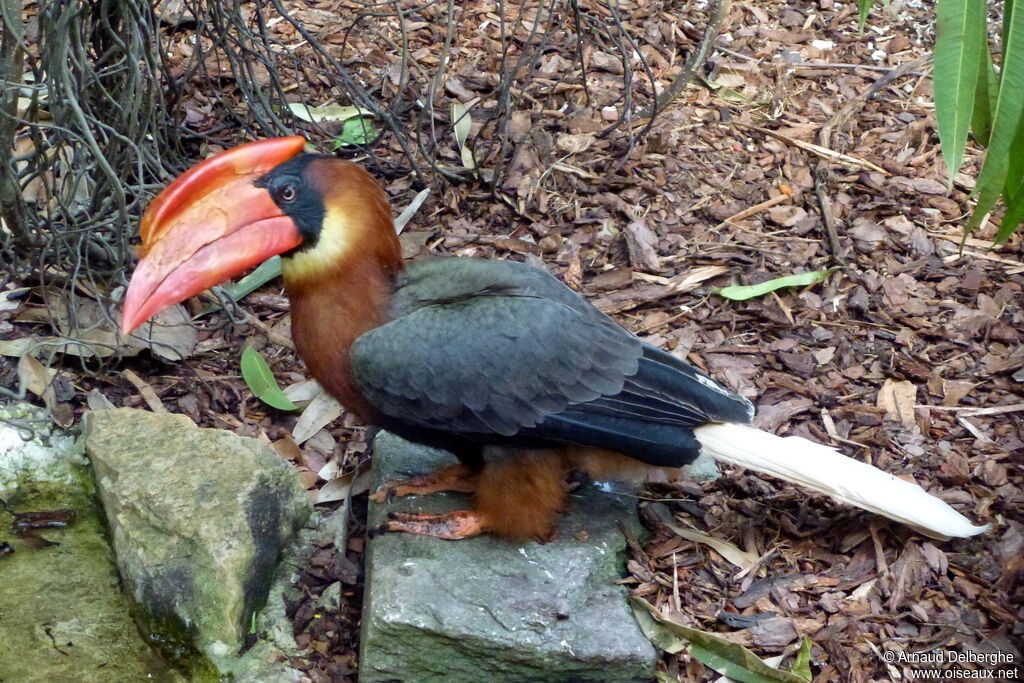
(451, 526)
(456, 477)
(516, 496)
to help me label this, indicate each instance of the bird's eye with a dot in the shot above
(287, 193)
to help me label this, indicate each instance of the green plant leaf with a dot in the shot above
(959, 47)
(654, 631)
(1014, 166)
(356, 131)
(1005, 121)
(863, 7)
(264, 273)
(1007, 19)
(744, 292)
(261, 381)
(725, 92)
(1014, 215)
(724, 656)
(802, 664)
(984, 100)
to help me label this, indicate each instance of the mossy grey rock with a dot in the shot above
(199, 518)
(63, 616)
(31, 451)
(266, 661)
(489, 609)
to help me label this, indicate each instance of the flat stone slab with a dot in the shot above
(490, 609)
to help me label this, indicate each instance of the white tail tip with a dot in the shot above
(828, 471)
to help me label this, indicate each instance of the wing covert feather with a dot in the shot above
(490, 362)
(501, 349)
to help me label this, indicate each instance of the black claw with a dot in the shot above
(389, 495)
(393, 515)
(375, 531)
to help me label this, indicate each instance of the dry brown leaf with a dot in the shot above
(320, 412)
(897, 398)
(574, 144)
(344, 486)
(169, 334)
(641, 241)
(729, 551)
(287, 449)
(33, 376)
(301, 393)
(97, 401)
(152, 400)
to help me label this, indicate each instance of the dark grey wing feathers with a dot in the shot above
(485, 349)
(511, 361)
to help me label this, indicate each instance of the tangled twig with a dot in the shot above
(110, 100)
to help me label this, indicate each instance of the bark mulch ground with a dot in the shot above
(801, 150)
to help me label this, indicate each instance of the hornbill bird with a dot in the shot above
(521, 378)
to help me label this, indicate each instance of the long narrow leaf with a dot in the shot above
(1015, 166)
(724, 656)
(863, 7)
(1005, 121)
(744, 292)
(984, 100)
(802, 665)
(1007, 19)
(410, 211)
(742, 559)
(959, 45)
(1014, 216)
(264, 273)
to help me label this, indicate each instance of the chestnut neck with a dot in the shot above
(342, 287)
(328, 316)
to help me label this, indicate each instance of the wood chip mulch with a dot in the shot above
(908, 356)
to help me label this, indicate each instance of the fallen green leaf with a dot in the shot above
(726, 93)
(356, 131)
(744, 292)
(661, 637)
(261, 381)
(263, 274)
(802, 665)
(724, 656)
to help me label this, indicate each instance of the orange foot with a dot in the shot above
(451, 526)
(456, 477)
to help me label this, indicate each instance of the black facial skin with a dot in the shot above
(298, 198)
